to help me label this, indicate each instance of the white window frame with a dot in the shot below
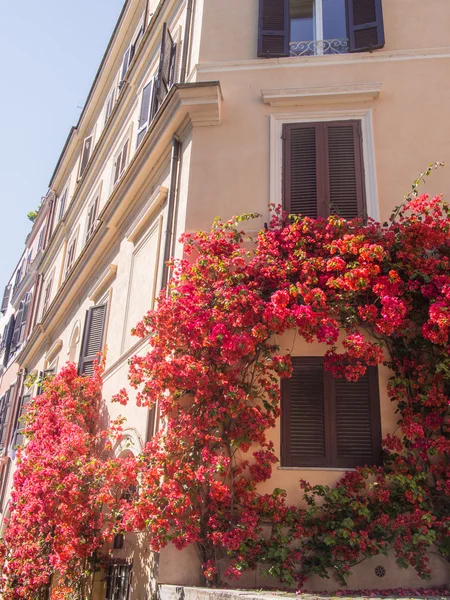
(141, 127)
(368, 148)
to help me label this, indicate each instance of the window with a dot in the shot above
(29, 259)
(6, 339)
(21, 322)
(118, 580)
(109, 105)
(19, 435)
(62, 204)
(145, 112)
(120, 163)
(5, 301)
(70, 256)
(323, 169)
(92, 218)
(329, 422)
(85, 155)
(5, 413)
(93, 337)
(47, 294)
(129, 54)
(314, 27)
(41, 239)
(166, 70)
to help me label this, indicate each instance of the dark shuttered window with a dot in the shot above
(7, 339)
(165, 70)
(118, 580)
(144, 115)
(5, 414)
(5, 300)
(273, 35)
(19, 436)
(91, 219)
(85, 155)
(120, 163)
(328, 422)
(365, 25)
(323, 169)
(278, 19)
(93, 337)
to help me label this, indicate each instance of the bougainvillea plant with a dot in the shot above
(66, 498)
(213, 369)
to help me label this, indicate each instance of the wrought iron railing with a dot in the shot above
(319, 47)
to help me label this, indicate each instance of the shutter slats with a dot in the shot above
(300, 170)
(5, 300)
(329, 422)
(304, 428)
(93, 336)
(87, 146)
(365, 25)
(343, 196)
(355, 421)
(273, 34)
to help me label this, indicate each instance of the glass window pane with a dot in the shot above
(302, 20)
(334, 22)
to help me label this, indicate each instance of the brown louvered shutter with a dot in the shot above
(323, 170)
(144, 116)
(300, 169)
(23, 324)
(365, 25)
(16, 333)
(86, 154)
(304, 408)
(273, 28)
(93, 335)
(356, 415)
(62, 205)
(124, 157)
(345, 193)
(19, 435)
(5, 301)
(164, 70)
(5, 416)
(125, 64)
(7, 339)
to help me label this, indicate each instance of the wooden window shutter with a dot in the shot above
(300, 169)
(26, 310)
(165, 64)
(93, 335)
(365, 25)
(125, 63)
(70, 256)
(19, 434)
(62, 205)
(144, 115)
(16, 333)
(304, 420)
(345, 178)
(323, 169)
(273, 28)
(124, 157)
(5, 301)
(8, 339)
(356, 414)
(5, 415)
(85, 156)
(92, 218)
(5, 474)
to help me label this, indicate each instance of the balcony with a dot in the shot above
(319, 47)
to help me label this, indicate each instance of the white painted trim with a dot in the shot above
(322, 94)
(318, 19)
(295, 62)
(276, 150)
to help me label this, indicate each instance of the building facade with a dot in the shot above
(203, 108)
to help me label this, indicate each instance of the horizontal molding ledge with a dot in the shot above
(328, 94)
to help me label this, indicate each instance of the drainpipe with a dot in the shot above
(154, 414)
(171, 208)
(187, 39)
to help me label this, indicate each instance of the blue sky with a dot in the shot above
(50, 52)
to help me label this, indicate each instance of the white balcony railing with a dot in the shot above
(319, 47)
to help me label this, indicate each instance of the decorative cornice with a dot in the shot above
(327, 94)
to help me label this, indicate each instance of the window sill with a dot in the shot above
(339, 469)
(323, 94)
